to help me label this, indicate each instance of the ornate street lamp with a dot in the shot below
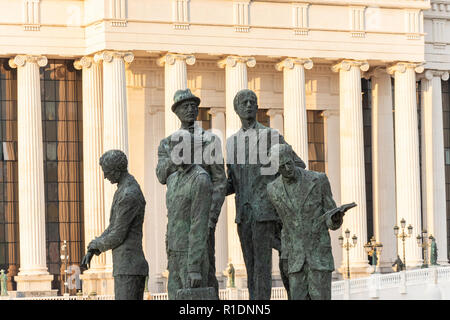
(374, 249)
(423, 243)
(403, 236)
(65, 260)
(347, 246)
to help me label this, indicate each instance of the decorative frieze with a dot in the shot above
(118, 13)
(241, 16)
(31, 15)
(413, 24)
(300, 18)
(357, 22)
(180, 14)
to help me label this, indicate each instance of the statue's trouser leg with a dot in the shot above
(245, 236)
(319, 285)
(128, 287)
(283, 265)
(298, 285)
(283, 261)
(177, 266)
(212, 280)
(262, 237)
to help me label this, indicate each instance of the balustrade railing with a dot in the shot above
(342, 289)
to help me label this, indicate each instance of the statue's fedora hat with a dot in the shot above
(182, 96)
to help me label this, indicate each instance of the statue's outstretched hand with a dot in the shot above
(339, 214)
(86, 261)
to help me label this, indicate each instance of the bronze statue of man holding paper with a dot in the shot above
(305, 204)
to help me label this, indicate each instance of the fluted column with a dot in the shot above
(383, 167)
(433, 165)
(33, 274)
(175, 72)
(94, 215)
(218, 127)
(156, 220)
(333, 171)
(407, 155)
(295, 120)
(353, 184)
(236, 80)
(115, 123)
(276, 119)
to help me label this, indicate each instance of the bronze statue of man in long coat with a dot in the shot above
(124, 233)
(248, 175)
(185, 106)
(305, 204)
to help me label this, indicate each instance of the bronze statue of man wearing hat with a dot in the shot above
(185, 106)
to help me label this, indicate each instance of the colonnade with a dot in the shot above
(396, 172)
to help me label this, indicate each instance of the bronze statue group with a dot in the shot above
(279, 205)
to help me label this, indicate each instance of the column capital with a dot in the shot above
(232, 61)
(347, 64)
(170, 59)
(403, 66)
(215, 110)
(289, 63)
(21, 59)
(84, 62)
(377, 72)
(430, 74)
(273, 112)
(108, 56)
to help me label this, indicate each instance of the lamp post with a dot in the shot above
(347, 246)
(423, 243)
(373, 249)
(65, 260)
(403, 236)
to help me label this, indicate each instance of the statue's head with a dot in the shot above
(284, 156)
(185, 105)
(114, 163)
(246, 104)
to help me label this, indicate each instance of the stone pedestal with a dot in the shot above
(101, 283)
(39, 285)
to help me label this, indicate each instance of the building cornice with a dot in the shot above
(402, 4)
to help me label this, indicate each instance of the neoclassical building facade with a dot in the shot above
(359, 88)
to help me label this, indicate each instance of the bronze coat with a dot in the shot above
(306, 237)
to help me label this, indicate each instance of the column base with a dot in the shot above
(34, 282)
(100, 282)
(240, 278)
(32, 294)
